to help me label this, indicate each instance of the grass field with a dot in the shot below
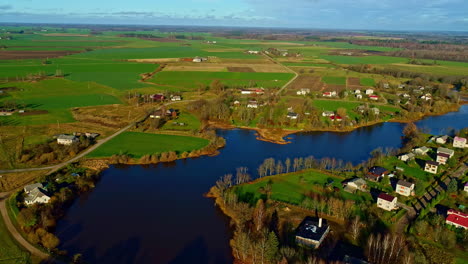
(136, 144)
(10, 252)
(194, 79)
(367, 81)
(332, 105)
(191, 121)
(334, 80)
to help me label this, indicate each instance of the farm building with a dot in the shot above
(336, 118)
(431, 166)
(405, 188)
(358, 96)
(176, 98)
(459, 142)
(465, 188)
(7, 112)
(67, 140)
(157, 97)
(457, 219)
(311, 232)
(387, 202)
(28, 188)
(374, 97)
(376, 173)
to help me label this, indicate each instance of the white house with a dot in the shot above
(35, 195)
(303, 91)
(357, 91)
(442, 158)
(459, 142)
(197, 59)
(369, 91)
(292, 115)
(358, 96)
(406, 157)
(329, 94)
(28, 188)
(421, 151)
(253, 51)
(431, 166)
(355, 184)
(176, 98)
(252, 104)
(405, 188)
(67, 139)
(450, 152)
(387, 202)
(442, 139)
(465, 188)
(328, 113)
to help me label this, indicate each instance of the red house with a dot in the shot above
(457, 219)
(336, 118)
(158, 97)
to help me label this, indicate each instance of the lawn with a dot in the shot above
(191, 123)
(367, 81)
(136, 144)
(10, 252)
(334, 80)
(333, 105)
(187, 79)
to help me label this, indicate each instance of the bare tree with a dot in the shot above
(355, 228)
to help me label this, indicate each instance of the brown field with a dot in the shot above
(307, 81)
(334, 87)
(189, 67)
(354, 81)
(212, 66)
(11, 181)
(240, 69)
(155, 60)
(241, 61)
(33, 54)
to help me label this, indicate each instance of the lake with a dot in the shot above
(157, 214)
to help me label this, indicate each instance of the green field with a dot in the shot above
(10, 252)
(136, 144)
(191, 121)
(332, 105)
(57, 96)
(363, 60)
(187, 79)
(334, 80)
(367, 81)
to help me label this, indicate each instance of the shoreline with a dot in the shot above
(277, 135)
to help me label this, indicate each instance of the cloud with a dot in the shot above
(5, 7)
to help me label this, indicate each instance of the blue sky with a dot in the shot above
(331, 14)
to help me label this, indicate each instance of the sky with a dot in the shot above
(443, 15)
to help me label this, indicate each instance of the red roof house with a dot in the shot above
(457, 219)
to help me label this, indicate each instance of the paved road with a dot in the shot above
(14, 232)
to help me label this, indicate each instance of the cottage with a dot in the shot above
(459, 142)
(252, 104)
(329, 94)
(457, 219)
(36, 196)
(311, 232)
(450, 152)
(369, 91)
(421, 151)
(405, 188)
(199, 59)
(374, 97)
(431, 166)
(387, 202)
(442, 139)
(28, 188)
(356, 184)
(376, 173)
(176, 98)
(328, 113)
(67, 140)
(406, 157)
(442, 158)
(292, 115)
(303, 91)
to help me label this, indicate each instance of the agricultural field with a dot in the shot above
(136, 145)
(334, 80)
(367, 82)
(191, 123)
(192, 80)
(10, 252)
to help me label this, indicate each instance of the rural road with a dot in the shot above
(288, 69)
(14, 232)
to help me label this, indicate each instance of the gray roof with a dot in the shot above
(66, 137)
(405, 183)
(30, 187)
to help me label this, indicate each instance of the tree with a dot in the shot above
(287, 164)
(355, 228)
(50, 241)
(272, 245)
(452, 186)
(259, 215)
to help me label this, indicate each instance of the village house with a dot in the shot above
(447, 151)
(387, 202)
(357, 91)
(442, 139)
(459, 142)
(171, 113)
(358, 96)
(421, 151)
(405, 188)
(442, 158)
(374, 97)
(34, 194)
(401, 86)
(253, 52)
(369, 91)
(356, 184)
(406, 157)
(157, 97)
(292, 115)
(176, 98)
(336, 118)
(457, 219)
(303, 91)
(311, 232)
(328, 113)
(7, 112)
(329, 94)
(375, 110)
(376, 173)
(199, 59)
(157, 114)
(258, 91)
(431, 166)
(236, 103)
(252, 104)
(67, 139)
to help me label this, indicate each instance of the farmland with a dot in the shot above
(136, 144)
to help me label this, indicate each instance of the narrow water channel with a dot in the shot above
(157, 214)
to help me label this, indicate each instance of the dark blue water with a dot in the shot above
(157, 214)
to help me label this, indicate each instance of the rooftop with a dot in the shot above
(309, 228)
(386, 197)
(405, 183)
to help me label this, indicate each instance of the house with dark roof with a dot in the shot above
(376, 173)
(442, 158)
(387, 202)
(457, 219)
(312, 231)
(431, 166)
(67, 140)
(405, 188)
